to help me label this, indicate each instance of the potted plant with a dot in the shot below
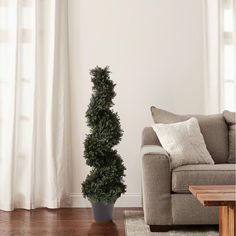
(104, 184)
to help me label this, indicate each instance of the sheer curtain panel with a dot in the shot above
(34, 103)
(220, 22)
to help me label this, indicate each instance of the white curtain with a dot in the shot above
(34, 104)
(220, 28)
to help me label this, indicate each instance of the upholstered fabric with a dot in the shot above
(153, 149)
(149, 137)
(184, 143)
(187, 210)
(156, 185)
(230, 118)
(161, 205)
(213, 128)
(219, 174)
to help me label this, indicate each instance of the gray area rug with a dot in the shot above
(135, 226)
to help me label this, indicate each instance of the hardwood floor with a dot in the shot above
(59, 222)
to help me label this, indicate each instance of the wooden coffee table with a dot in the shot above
(223, 196)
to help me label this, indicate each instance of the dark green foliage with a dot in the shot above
(105, 182)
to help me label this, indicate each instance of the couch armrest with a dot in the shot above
(153, 149)
(156, 184)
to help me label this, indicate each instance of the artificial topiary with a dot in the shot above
(105, 183)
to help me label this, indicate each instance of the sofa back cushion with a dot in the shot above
(230, 118)
(213, 128)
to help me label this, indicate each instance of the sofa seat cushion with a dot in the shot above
(218, 174)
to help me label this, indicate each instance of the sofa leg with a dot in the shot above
(166, 228)
(159, 228)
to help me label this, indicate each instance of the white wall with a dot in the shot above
(155, 51)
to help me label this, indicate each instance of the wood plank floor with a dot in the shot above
(59, 222)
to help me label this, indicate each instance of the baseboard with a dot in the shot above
(126, 200)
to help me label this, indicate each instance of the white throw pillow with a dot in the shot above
(184, 143)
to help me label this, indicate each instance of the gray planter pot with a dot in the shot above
(102, 212)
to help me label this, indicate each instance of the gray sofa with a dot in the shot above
(167, 201)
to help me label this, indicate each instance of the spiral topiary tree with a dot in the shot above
(104, 184)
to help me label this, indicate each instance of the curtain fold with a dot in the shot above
(234, 43)
(212, 32)
(34, 114)
(220, 31)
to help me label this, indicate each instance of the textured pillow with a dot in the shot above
(184, 142)
(230, 118)
(213, 128)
